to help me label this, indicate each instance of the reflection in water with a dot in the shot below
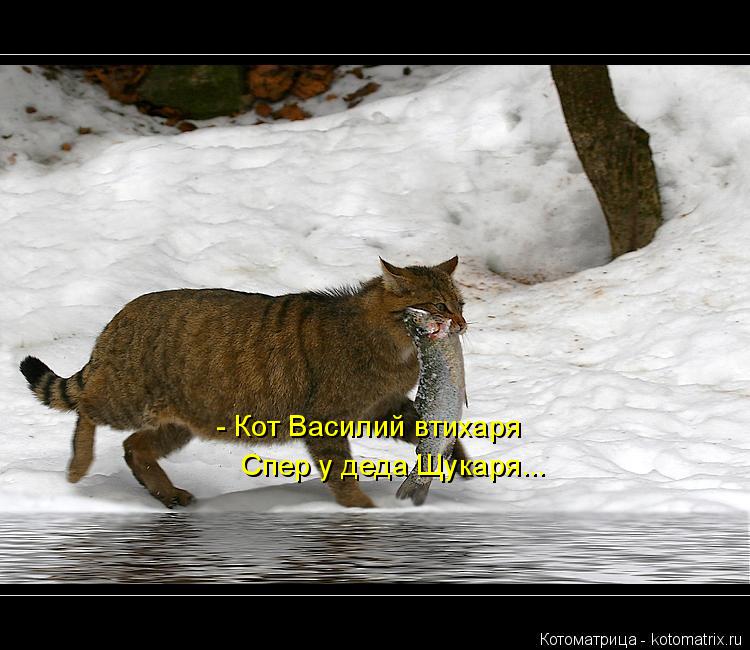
(343, 547)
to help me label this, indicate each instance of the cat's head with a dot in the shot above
(426, 287)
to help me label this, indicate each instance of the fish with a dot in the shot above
(441, 394)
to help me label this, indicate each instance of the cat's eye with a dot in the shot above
(441, 306)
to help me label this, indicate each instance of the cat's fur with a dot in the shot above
(178, 364)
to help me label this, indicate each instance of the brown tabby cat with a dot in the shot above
(178, 364)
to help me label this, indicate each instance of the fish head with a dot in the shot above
(423, 323)
(428, 288)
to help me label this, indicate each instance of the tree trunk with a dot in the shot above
(614, 152)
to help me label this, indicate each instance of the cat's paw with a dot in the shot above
(360, 500)
(176, 497)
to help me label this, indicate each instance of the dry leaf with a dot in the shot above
(290, 112)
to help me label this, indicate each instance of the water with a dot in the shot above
(367, 547)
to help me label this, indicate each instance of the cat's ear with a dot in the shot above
(394, 278)
(448, 266)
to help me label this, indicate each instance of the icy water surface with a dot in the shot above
(367, 547)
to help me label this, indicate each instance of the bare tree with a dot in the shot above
(614, 152)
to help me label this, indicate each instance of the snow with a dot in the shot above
(631, 378)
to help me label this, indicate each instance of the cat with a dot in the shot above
(181, 363)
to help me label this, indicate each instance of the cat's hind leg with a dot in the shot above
(144, 448)
(83, 448)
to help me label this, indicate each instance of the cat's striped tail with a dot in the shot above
(50, 389)
(415, 487)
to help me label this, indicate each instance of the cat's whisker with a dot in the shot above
(466, 341)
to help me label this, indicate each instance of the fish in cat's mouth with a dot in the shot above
(455, 322)
(439, 328)
(435, 326)
(448, 325)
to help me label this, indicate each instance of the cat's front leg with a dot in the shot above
(334, 454)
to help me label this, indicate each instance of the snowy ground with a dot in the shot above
(632, 379)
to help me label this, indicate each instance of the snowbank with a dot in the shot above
(631, 378)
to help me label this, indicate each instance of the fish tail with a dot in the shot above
(414, 489)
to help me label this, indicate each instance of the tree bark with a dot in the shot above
(614, 152)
